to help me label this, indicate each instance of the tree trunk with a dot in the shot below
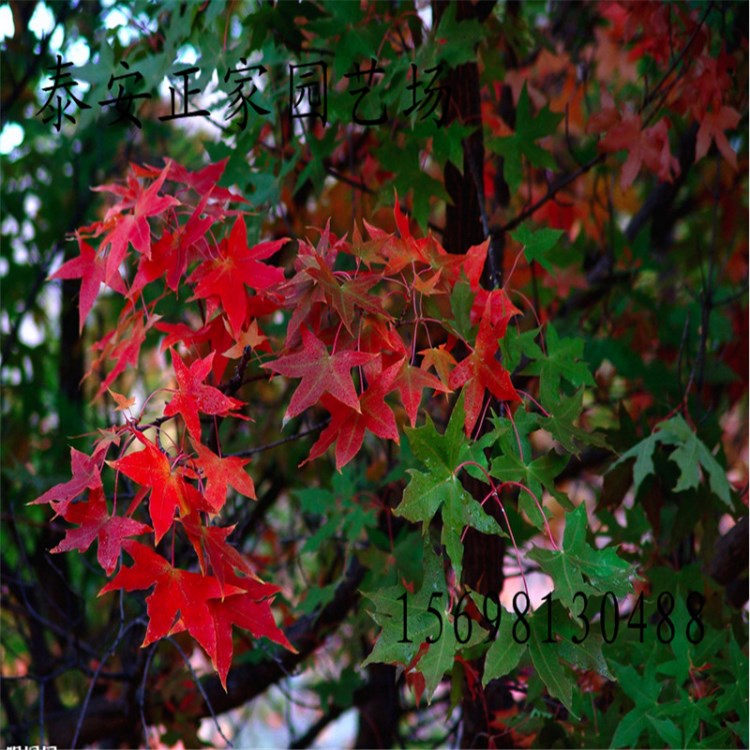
(483, 554)
(378, 717)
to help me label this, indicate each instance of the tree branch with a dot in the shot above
(729, 562)
(281, 441)
(106, 717)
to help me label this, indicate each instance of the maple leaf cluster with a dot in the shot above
(699, 88)
(370, 326)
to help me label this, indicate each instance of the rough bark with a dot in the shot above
(378, 716)
(483, 554)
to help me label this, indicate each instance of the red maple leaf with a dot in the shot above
(90, 269)
(410, 382)
(321, 373)
(402, 221)
(250, 610)
(122, 345)
(378, 337)
(497, 305)
(220, 473)
(347, 427)
(203, 181)
(169, 490)
(450, 265)
(173, 251)
(480, 371)
(302, 292)
(210, 543)
(372, 250)
(212, 337)
(346, 295)
(110, 436)
(234, 267)
(86, 471)
(414, 678)
(428, 254)
(708, 83)
(712, 127)
(649, 147)
(94, 522)
(194, 396)
(133, 228)
(174, 591)
(408, 250)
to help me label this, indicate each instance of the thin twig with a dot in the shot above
(551, 193)
(201, 690)
(142, 692)
(92, 684)
(650, 97)
(282, 441)
(315, 729)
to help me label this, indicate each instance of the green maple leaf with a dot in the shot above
(441, 454)
(643, 453)
(514, 464)
(528, 130)
(647, 714)
(462, 510)
(352, 517)
(447, 142)
(546, 661)
(577, 562)
(537, 474)
(537, 244)
(458, 38)
(505, 653)
(461, 302)
(514, 346)
(423, 497)
(734, 697)
(421, 624)
(438, 660)
(426, 494)
(586, 655)
(690, 453)
(317, 597)
(513, 436)
(564, 410)
(685, 655)
(564, 361)
(440, 487)
(341, 691)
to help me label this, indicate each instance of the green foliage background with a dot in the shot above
(654, 331)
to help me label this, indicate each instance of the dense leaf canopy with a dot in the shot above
(390, 358)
